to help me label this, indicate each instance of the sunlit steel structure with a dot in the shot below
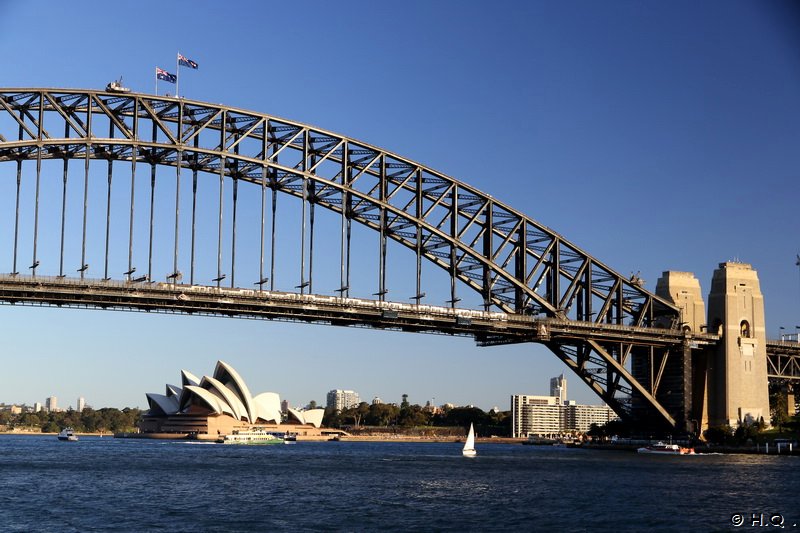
(535, 286)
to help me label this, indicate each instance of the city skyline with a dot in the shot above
(655, 137)
(349, 398)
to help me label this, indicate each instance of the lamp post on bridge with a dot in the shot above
(782, 329)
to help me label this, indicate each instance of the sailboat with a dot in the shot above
(469, 446)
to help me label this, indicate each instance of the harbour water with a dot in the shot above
(105, 484)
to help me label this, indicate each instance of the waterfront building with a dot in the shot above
(535, 415)
(81, 404)
(342, 399)
(37, 407)
(213, 406)
(579, 418)
(376, 401)
(51, 404)
(554, 415)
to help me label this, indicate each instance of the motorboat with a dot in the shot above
(67, 434)
(666, 449)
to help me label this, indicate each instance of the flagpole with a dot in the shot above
(156, 82)
(177, 74)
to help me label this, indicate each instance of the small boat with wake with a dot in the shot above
(662, 448)
(252, 436)
(67, 434)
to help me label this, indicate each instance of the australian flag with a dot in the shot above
(162, 74)
(186, 62)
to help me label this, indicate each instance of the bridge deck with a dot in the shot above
(489, 328)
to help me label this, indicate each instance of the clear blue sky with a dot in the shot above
(654, 135)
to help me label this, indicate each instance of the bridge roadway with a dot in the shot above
(488, 328)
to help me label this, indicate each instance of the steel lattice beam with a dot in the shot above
(517, 265)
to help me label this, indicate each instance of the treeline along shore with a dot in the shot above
(100, 421)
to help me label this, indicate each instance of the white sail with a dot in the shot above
(469, 446)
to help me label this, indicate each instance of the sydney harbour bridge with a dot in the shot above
(126, 201)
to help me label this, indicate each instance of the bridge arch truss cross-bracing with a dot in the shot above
(517, 266)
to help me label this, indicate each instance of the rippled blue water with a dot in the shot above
(100, 484)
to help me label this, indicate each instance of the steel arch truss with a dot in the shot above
(514, 263)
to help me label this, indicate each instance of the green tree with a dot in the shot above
(412, 416)
(719, 434)
(779, 407)
(51, 427)
(382, 414)
(332, 418)
(360, 412)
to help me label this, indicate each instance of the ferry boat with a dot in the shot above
(67, 434)
(666, 449)
(251, 436)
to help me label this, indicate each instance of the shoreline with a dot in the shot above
(629, 448)
(54, 433)
(348, 438)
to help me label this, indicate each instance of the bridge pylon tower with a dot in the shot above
(686, 372)
(737, 374)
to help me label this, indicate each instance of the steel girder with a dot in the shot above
(516, 264)
(783, 361)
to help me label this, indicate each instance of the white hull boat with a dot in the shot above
(67, 434)
(469, 445)
(661, 448)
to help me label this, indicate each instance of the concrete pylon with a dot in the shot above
(682, 289)
(738, 390)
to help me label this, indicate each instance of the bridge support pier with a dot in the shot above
(681, 384)
(724, 384)
(738, 388)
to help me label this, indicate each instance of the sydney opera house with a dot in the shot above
(212, 406)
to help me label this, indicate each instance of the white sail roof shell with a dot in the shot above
(211, 400)
(268, 407)
(231, 379)
(228, 396)
(168, 404)
(314, 417)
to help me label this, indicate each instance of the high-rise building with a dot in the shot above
(558, 388)
(37, 407)
(81, 404)
(581, 417)
(51, 404)
(549, 416)
(342, 399)
(535, 415)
